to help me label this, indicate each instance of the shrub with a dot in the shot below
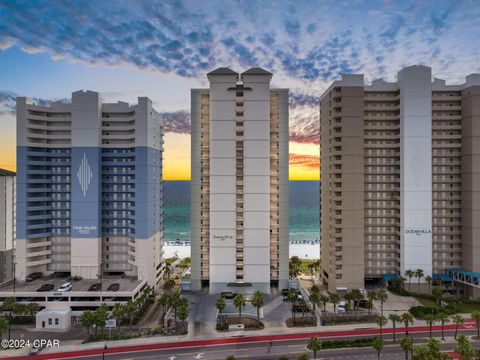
(222, 326)
(337, 344)
(421, 311)
(303, 357)
(283, 357)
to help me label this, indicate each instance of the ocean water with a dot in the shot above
(304, 210)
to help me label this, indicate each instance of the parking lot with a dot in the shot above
(125, 284)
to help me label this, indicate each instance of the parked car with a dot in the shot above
(284, 292)
(227, 294)
(36, 348)
(363, 303)
(46, 287)
(95, 287)
(114, 287)
(341, 309)
(65, 287)
(33, 276)
(75, 278)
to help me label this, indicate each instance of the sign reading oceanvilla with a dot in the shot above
(418, 231)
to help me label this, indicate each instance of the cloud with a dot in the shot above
(305, 161)
(8, 102)
(304, 43)
(176, 121)
(303, 121)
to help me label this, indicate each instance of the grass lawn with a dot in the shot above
(469, 308)
(464, 306)
(427, 302)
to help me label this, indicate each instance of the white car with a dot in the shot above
(341, 309)
(65, 287)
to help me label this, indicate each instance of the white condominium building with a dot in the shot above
(7, 224)
(239, 183)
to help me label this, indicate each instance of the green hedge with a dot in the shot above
(333, 320)
(337, 344)
(421, 312)
(402, 292)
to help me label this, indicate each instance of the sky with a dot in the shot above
(162, 49)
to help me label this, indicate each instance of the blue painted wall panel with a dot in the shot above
(85, 192)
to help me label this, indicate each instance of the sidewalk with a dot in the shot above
(75, 348)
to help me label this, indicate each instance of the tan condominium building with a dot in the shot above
(400, 190)
(239, 183)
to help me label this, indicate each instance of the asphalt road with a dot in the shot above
(290, 348)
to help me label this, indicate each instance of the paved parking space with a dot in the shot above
(126, 284)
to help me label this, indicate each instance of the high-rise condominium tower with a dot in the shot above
(89, 188)
(7, 224)
(400, 166)
(239, 182)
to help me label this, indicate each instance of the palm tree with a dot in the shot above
(314, 344)
(444, 319)
(431, 351)
(292, 297)
(163, 302)
(371, 296)
(87, 319)
(183, 312)
(304, 306)
(407, 345)
(118, 313)
(19, 309)
(169, 285)
(381, 322)
(429, 281)
(356, 296)
(476, 317)
(220, 304)
(407, 319)
(419, 274)
(437, 293)
(465, 349)
(457, 320)
(258, 301)
(174, 302)
(314, 289)
(314, 298)
(409, 273)
(377, 344)
(349, 297)
(130, 310)
(294, 266)
(167, 270)
(31, 309)
(9, 305)
(323, 300)
(311, 269)
(3, 326)
(430, 319)
(334, 299)
(381, 296)
(100, 316)
(239, 301)
(394, 318)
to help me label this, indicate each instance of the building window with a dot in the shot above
(56, 321)
(49, 321)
